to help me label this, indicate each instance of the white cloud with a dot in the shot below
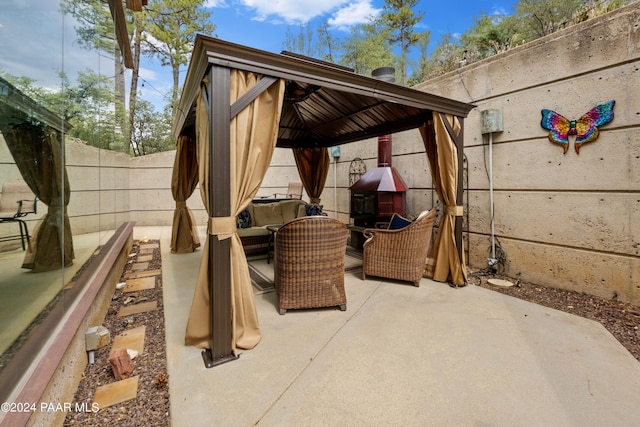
(147, 73)
(499, 11)
(353, 14)
(209, 4)
(292, 10)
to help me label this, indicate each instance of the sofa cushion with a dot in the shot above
(290, 209)
(253, 231)
(266, 214)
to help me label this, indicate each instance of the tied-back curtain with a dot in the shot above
(313, 167)
(444, 263)
(253, 136)
(37, 151)
(184, 179)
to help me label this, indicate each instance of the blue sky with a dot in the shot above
(32, 31)
(263, 23)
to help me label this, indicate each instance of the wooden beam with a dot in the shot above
(122, 35)
(136, 5)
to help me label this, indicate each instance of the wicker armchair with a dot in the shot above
(398, 254)
(309, 263)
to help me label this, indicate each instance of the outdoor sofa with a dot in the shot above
(253, 222)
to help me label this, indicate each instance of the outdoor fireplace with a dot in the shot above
(380, 192)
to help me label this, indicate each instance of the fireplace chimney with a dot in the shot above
(384, 150)
(380, 192)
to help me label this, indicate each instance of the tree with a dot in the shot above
(400, 19)
(491, 35)
(138, 28)
(447, 56)
(172, 31)
(324, 47)
(329, 45)
(96, 30)
(86, 106)
(542, 17)
(367, 48)
(421, 70)
(152, 132)
(301, 42)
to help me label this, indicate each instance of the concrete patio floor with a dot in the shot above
(400, 355)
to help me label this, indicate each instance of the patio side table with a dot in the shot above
(271, 244)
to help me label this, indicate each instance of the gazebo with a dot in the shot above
(237, 105)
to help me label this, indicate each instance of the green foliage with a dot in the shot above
(314, 42)
(448, 55)
(172, 29)
(491, 35)
(302, 41)
(329, 45)
(494, 34)
(541, 17)
(87, 107)
(152, 132)
(96, 29)
(421, 70)
(366, 49)
(399, 19)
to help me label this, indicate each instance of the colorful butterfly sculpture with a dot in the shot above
(585, 128)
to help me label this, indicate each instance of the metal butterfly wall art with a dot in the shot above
(585, 128)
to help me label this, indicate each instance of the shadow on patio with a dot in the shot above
(431, 355)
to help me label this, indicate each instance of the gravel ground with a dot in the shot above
(151, 406)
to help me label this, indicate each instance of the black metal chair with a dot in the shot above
(17, 201)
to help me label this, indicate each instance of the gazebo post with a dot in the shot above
(459, 196)
(219, 275)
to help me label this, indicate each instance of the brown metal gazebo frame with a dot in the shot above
(316, 104)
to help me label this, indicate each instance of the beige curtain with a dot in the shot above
(313, 167)
(184, 234)
(254, 133)
(38, 152)
(444, 264)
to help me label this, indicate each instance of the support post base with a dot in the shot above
(210, 362)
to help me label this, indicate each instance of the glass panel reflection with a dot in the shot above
(58, 134)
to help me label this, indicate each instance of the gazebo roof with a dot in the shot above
(325, 104)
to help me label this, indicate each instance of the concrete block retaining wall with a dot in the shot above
(569, 221)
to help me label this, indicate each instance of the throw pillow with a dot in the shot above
(244, 219)
(313, 209)
(397, 222)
